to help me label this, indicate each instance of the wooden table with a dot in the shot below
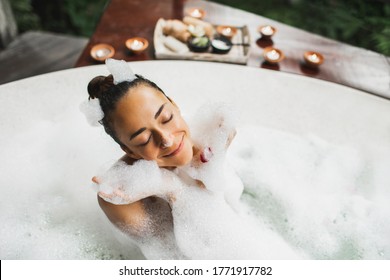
(344, 64)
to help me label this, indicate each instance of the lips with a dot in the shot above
(177, 150)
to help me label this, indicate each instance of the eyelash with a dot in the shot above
(168, 120)
(144, 144)
(164, 122)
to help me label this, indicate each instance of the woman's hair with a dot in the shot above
(109, 94)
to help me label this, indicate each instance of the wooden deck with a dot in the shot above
(34, 53)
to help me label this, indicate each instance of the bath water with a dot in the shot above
(303, 197)
(314, 198)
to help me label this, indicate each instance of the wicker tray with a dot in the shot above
(238, 54)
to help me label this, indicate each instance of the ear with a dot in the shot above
(129, 152)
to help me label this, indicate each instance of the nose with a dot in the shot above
(166, 140)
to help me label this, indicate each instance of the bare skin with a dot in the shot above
(150, 127)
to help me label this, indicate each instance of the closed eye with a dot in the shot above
(168, 120)
(144, 144)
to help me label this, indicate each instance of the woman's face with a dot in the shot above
(151, 127)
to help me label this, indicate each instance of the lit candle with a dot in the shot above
(227, 31)
(137, 45)
(314, 58)
(267, 30)
(102, 53)
(273, 55)
(196, 13)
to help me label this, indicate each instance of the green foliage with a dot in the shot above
(84, 15)
(25, 18)
(363, 23)
(78, 17)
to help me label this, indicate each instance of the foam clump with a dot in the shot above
(213, 127)
(207, 227)
(92, 111)
(225, 233)
(124, 183)
(304, 198)
(120, 70)
(321, 197)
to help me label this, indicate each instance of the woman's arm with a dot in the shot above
(131, 218)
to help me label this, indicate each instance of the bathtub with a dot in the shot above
(49, 153)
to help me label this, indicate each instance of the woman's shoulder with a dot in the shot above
(127, 160)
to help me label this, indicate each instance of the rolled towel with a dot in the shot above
(175, 45)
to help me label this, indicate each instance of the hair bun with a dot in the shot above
(99, 85)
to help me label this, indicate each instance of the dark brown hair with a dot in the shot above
(109, 94)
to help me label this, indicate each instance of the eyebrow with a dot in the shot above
(139, 131)
(159, 111)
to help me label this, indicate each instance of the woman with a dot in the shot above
(147, 125)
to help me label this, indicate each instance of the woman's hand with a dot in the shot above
(117, 195)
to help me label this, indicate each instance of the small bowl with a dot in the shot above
(221, 45)
(266, 31)
(196, 13)
(101, 52)
(226, 31)
(273, 55)
(137, 44)
(199, 44)
(313, 59)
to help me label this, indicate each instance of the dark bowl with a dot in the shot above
(221, 45)
(199, 44)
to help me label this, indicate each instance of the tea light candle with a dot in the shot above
(137, 44)
(227, 31)
(313, 59)
(101, 52)
(196, 13)
(273, 55)
(267, 31)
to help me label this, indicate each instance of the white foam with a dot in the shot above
(92, 111)
(227, 232)
(321, 197)
(329, 201)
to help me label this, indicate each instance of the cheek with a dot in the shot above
(187, 153)
(148, 153)
(152, 154)
(180, 123)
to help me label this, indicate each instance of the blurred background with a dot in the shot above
(362, 23)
